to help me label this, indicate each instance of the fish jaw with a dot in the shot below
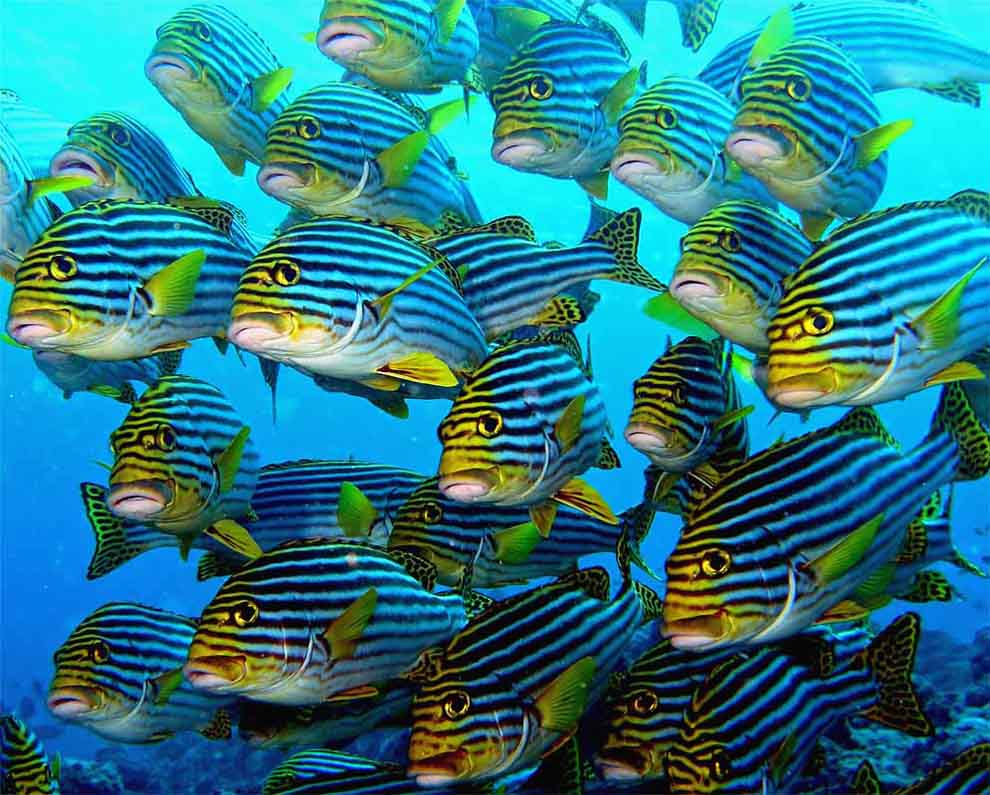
(759, 147)
(38, 328)
(803, 390)
(438, 769)
(347, 40)
(139, 500)
(523, 150)
(281, 179)
(215, 673)
(698, 632)
(626, 763)
(261, 332)
(468, 485)
(654, 441)
(72, 161)
(73, 702)
(168, 69)
(633, 167)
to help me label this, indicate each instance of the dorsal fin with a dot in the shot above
(594, 582)
(971, 202)
(219, 214)
(865, 420)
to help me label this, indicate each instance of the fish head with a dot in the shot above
(423, 524)
(369, 37)
(635, 746)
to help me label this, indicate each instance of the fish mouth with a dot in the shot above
(215, 672)
(699, 632)
(521, 148)
(139, 499)
(162, 68)
(630, 166)
(278, 179)
(257, 331)
(691, 286)
(468, 485)
(345, 38)
(36, 327)
(622, 764)
(753, 146)
(440, 769)
(650, 439)
(71, 162)
(70, 702)
(804, 390)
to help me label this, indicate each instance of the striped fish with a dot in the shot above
(897, 45)
(817, 145)
(510, 281)
(670, 150)
(558, 102)
(293, 500)
(123, 158)
(333, 725)
(494, 545)
(321, 771)
(527, 423)
(787, 535)
(405, 45)
(966, 400)
(968, 771)
(686, 406)
(344, 149)
(317, 620)
(213, 68)
(121, 279)
(512, 685)
(888, 305)
(184, 462)
(354, 300)
(733, 260)
(71, 373)
(37, 132)
(25, 768)
(752, 725)
(697, 17)
(117, 675)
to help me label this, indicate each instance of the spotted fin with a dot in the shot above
(697, 20)
(621, 236)
(561, 310)
(891, 657)
(113, 548)
(219, 727)
(964, 91)
(210, 565)
(217, 213)
(420, 569)
(608, 458)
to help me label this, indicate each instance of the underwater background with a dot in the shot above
(75, 59)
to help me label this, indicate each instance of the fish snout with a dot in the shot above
(345, 39)
(36, 327)
(163, 68)
(631, 167)
(689, 286)
(802, 390)
(139, 499)
(650, 439)
(627, 763)
(278, 179)
(519, 149)
(752, 146)
(467, 485)
(71, 701)
(255, 331)
(73, 162)
(436, 769)
(215, 671)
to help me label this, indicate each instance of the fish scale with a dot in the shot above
(24, 765)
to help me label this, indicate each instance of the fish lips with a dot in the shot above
(278, 179)
(344, 39)
(696, 287)
(72, 161)
(256, 331)
(632, 166)
(215, 672)
(139, 499)
(755, 146)
(72, 701)
(626, 763)
(37, 327)
(468, 485)
(440, 769)
(804, 390)
(169, 66)
(697, 632)
(650, 439)
(520, 149)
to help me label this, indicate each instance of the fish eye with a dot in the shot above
(490, 424)
(456, 704)
(432, 513)
(817, 322)
(203, 31)
(799, 88)
(715, 562)
(165, 438)
(645, 703)
(720, 765)
(729, 240)
(99, 652)
(667, 118)
(120, 135)
(62, 267)
(245, 613)
(308, 128)
(541, 88)
(285, 272)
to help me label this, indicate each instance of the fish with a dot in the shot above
(671, 151)
(404, 45)
(896, 44)
(25, 768)
(317, 620)
(292, 500)
(223, 79)
(686, 405)
(968, 771)
(820, 162)
(123, 158)
(116, 676)
(510, 281)
(36, 132)
(322, 770)
(512, 685)
(732, 263)
(696, 17)
(890, 303)
(184, 461)
(72, 374)
(790, 533)
(753, 723)
(264, 725)
(558, 103)
(89, 286)
(354, 300)
(963, 414)
(526, 424)
(344, 149)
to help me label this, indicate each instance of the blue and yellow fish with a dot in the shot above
(25, 768)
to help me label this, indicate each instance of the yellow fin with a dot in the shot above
(873, 143)
(310, 37)
(229, 461)
(618, 95)
(345, 631)
(568, 427)
(37, 188)
(814, 224)
(581, 496)
(233, 161)
(848, 552)
(874, 585)
(172, 289)
(355, 513)
(957, 371)
(778, 32)
(514, 545)
(398, 161)
(393, 405)
(543, 516)
(779, 759)
(443, 114)
(362, 691)
(265, 89)
(743, 367)
(846, 610)
(516, 25)
(234, 536)
(448, 12)
(382, 383)
(165, 685)
(938, 325)
(733, 171)
(732, 417)
(596, 184)
(666, 309)
(562, 704)
(383, 303)
(420, 368)
(169, 347)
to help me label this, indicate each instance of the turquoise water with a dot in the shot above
(74, 59)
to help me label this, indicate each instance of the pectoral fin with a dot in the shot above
(421, 368)
(568, 426)
(38, 188)
(543, 516)
(618, 95)
(957, 371)
(398, 161)
(229, 461)
(383, 304)
(732, 417)
(234, 536)
(448, 12)
(233, 161)
(165, 685)
(516, 25)
(514, 545)
(581, 496)
(561, 705)
(873, 143)
(938, 325)
(814, 224)
(355, 513)
(265, 89)
(172, 289)
(345, 631)
(665, 308)
(847, 553)
(596, 184)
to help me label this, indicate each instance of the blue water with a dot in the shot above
(74, 59)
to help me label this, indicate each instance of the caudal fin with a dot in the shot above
(621, 236)
(891, 658)
(697, 19)
(116, 541)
